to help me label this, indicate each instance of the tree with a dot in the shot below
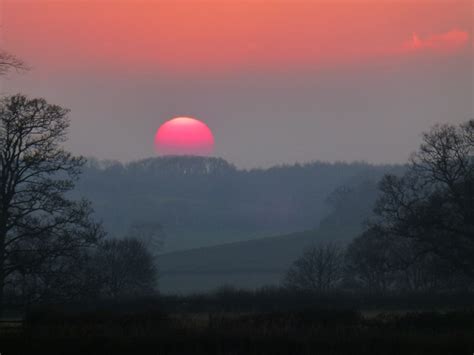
(432, 204)
(125, 267)
(318, 269)
(9, 62)
(369, 261)
(38, 223)
(379, 262)
(67, 278)
(351, 205)
(150, 234)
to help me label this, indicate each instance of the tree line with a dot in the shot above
(202, 201)
(421, 236)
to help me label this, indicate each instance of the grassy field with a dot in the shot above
(275, 333)
(193, 328)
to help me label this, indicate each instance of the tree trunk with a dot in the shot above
(2, 274)
(3, 237)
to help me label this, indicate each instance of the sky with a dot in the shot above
(277, 81)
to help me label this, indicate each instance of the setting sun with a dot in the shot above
(184, 136)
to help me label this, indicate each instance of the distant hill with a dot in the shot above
(246, 264)
(255, 263)
(207, 201)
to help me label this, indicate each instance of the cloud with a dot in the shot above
(444, 42)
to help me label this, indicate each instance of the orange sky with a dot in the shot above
(228, 36)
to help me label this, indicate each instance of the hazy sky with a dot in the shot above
(276, 81)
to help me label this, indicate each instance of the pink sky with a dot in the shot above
(224, 36)
(277, 81)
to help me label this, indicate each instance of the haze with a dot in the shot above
(277, 81)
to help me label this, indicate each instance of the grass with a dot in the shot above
(188, 325)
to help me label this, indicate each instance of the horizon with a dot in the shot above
(243, 168)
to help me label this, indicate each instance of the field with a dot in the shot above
(215, 324)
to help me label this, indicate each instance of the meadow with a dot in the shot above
(250, 322)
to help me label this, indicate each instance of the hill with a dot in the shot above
(245, 264)
(256, 263)
(207, 201)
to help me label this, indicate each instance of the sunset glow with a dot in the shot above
(285, 68)
(226, 36)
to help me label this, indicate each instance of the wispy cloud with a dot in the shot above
(445, 42)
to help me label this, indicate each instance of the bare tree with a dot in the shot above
(379, 262)
(320, 268)
(433, 202)
(9, 62)
(37, 221)
(369, 261)
(125, 268)
(62, 278)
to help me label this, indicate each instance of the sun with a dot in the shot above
(184, 136)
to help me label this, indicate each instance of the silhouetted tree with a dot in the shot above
(38, 223)
(351, 205)
(320, 268)
(9, 62)
(125, 268)
(379, 262)
(432, 204)
(369, 261)
(68, 277)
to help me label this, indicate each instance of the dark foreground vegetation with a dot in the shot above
(268, 321)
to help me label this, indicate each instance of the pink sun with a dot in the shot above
(184, 136)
